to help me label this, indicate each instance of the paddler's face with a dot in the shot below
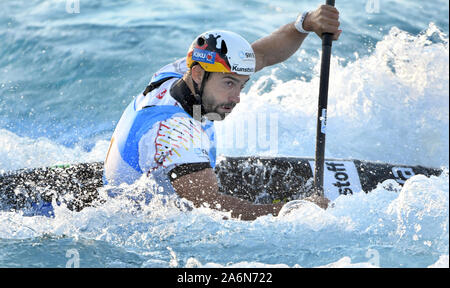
(222, 93)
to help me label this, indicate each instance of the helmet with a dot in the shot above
(222, 51)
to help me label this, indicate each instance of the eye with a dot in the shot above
(229, 84)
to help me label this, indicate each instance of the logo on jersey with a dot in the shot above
(161, 94)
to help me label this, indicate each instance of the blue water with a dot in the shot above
(66, 78)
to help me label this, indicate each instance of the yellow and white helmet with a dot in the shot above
(222, 51)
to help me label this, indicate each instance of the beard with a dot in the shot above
(217, 111)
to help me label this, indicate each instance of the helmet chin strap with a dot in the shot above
(199, 92)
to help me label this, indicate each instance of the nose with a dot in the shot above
(236, 98)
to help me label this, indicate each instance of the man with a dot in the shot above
(167, 132)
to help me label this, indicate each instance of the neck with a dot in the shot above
(183, 92)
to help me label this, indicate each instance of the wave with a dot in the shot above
(22, 152)
(387, 225)
(390, 106)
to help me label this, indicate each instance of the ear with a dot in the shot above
(197, 73)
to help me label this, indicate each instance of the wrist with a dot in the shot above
(307, 25)
(302, 23)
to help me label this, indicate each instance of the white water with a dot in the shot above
(374, 114)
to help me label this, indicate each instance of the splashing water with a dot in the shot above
(389, 105)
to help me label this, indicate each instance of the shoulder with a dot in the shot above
(159, 96)
(164, 78)
(178, 67)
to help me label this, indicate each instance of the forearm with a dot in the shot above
(242, 209)
(201, 188)
(278, 46)
(283, 43)
(239, 208)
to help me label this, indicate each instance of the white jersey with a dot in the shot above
(143, 145)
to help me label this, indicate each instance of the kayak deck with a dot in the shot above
(256, 179)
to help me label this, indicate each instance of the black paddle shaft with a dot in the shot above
(327, 40)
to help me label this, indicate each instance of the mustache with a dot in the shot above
(228, 104)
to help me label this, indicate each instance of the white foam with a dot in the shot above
(22, 152)
(374, 115)
(421, 212)
(380, 219)
(344, 262)
(441, 263)
(390, 106)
